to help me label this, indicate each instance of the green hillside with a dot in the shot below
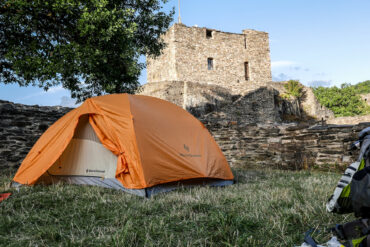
(344, 100)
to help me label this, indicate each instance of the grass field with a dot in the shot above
(264, 208)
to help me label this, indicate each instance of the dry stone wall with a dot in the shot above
(349, 120)
(20, 127)
(288, 146)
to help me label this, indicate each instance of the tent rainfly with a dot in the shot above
(139, 144)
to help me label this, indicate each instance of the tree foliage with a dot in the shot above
(362, 87)
(91, 47)
(343, 101)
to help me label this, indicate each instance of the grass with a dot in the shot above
(264, 208)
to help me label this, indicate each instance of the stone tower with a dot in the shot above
(209, 56)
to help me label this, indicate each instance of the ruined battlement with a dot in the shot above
(210, 56)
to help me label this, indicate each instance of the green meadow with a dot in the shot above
(263, 208)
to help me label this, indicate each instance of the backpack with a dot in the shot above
(352, 193)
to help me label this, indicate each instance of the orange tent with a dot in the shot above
(139, 144)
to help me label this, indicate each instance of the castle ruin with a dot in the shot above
(210, 56)
(227, 75)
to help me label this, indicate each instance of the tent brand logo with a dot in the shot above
(99, 171)
(189, 155)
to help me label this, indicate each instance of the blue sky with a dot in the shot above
(319, 42)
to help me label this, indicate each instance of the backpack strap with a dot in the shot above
(308, 239)
(332, 204)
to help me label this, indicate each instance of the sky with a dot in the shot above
(318, 42)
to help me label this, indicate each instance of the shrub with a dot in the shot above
(362, 87)
(294, 88)
(343, 101)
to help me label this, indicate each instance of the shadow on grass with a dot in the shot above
(249, 175)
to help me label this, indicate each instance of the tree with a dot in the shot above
(91, 47)
(343, 101)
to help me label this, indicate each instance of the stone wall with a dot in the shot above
(255, 105)
(241, 100)
(366, 98)
(310, 106)
(189, 49)
(349, 120)
(163, 68)
(195, 97)
(20, 127)
(245, 103)
(288, 146)
(172, 91)
(258, 55)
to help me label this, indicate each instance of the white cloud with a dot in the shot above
(281, 64)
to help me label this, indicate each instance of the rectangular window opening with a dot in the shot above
(208, 34)
(210, 63)
(246, 71)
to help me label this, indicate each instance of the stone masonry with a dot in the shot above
(247, 103)
(289, 146)
(236, 58)
(202, 69)
(20, 127)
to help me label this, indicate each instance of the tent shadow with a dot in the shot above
(247, 176)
